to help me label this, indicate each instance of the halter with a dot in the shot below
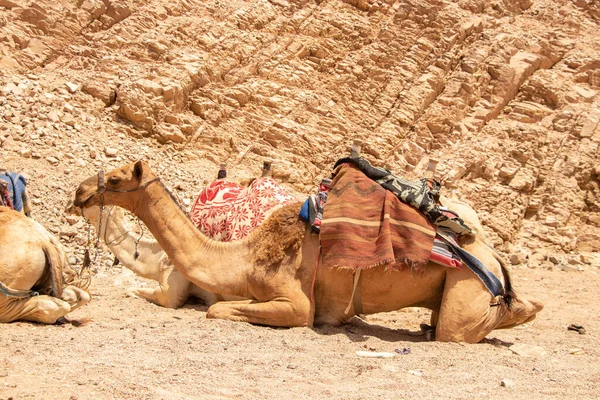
(101, 190)
(102, 186)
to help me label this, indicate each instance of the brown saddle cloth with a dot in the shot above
(365, 225)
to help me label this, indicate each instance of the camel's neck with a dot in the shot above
(214, 266)
(117, 235)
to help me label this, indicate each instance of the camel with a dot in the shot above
(274, 268)
(32, 266)
(151, 263)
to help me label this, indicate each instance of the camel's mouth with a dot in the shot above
(81, 199)
(72, 209)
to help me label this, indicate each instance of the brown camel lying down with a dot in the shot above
(37, 264)
(274, 268)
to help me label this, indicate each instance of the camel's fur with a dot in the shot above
(280, 290)
(279, 235)
(33, 259)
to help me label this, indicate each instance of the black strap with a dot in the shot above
(491, 281)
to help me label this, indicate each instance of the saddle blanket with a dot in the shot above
(226, 211)
(364, 225)
(16, 185)
(442, 254)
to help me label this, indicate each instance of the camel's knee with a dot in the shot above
(303, 314)
(442, 334)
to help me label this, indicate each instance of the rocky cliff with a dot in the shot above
(504, 93)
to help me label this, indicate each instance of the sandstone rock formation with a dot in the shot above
(504, 93)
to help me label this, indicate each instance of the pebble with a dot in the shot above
(507, 383)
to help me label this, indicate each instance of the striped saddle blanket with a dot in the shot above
(442, 253)
(364, 225)
(226, 211)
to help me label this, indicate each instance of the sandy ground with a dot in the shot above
(132, 349)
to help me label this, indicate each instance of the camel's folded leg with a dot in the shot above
(43, 309)
(280, 312)
(158, 296)
(172, 292)
(466, 314)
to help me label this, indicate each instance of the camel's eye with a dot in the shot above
(113, 181)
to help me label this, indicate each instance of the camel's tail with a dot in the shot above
(509, 293)
(54, 268)
(80, 278)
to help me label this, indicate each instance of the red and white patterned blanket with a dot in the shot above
(226, 211)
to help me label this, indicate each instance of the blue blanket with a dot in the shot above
(16, 188)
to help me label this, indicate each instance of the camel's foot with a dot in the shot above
(520, 312)
(76, 297)
(158, 296)
(429, 332)
(272, 313)
(133, 292)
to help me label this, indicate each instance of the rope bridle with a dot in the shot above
(101, 190)
(136, 254)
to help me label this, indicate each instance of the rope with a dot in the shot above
(8, 292)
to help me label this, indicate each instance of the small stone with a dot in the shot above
(25, 152)
(507, 383)
(72, 87)
(518, 258)
(53, 116)
(554, 260)
(525, 350)
(71, 219)
(110, 152)
(68, 231)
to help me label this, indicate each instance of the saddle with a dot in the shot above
(365, 225)
(226, 211)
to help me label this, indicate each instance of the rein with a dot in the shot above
(137, 241)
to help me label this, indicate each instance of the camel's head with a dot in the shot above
(114, 187)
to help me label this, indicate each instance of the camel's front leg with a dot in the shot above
(172, 292)
(156, 296)
(279, 312)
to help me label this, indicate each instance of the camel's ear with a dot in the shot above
(138, 170)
